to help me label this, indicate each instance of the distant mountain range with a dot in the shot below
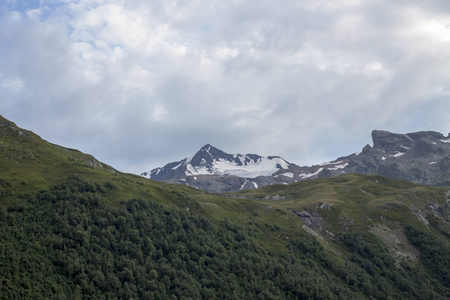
(419, 157)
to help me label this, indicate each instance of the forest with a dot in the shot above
(67, 242)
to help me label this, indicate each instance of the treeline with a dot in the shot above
(65, 243)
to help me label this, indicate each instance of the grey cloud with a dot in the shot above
(142, 83)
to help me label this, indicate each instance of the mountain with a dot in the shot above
(212, 161)
(420, 157)
(214, 170)
(72, 227)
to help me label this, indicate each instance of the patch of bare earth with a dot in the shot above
(397, 243)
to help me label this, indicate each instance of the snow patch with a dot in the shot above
(398, 154)
(190, 170)
(331, 163)
(150, 174)
(177, 166)
(249, 169)
(433, 162)
(310, 174)
(255, 185)
(357, 153)
(338, 167)
(242, 186)
(383, 158)
(288, 174)
(447, 141)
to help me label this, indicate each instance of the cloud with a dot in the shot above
(140, 83)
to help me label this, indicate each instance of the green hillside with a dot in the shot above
(72, 227)
(29, 164)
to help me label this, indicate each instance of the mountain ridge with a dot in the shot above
(420, 157)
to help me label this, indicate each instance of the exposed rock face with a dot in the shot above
(312, 219)
(396, 242)
(14, 127)
(420, 157)
(314, 222)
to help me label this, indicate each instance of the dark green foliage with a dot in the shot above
(109, 185)
(307, 245)
(433, 253)
(376, 273)
(66, 244)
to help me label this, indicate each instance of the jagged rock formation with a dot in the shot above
(419, 157)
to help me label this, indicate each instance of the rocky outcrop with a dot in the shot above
(14, 127)
(315, 224)
(420, 157)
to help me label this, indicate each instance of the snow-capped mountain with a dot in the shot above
(420, 157)
(212, 161)
(214, 170)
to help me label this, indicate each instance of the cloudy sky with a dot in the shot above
(139, 83)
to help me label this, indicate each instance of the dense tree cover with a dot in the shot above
(433, 253)
(65, 243)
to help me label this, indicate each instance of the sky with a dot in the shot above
(140, 83)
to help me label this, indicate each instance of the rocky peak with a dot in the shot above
(422, 143)
(391, 142)
(208, 154)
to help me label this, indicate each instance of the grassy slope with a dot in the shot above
(29, 164)
(358, 203)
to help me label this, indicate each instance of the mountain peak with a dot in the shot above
(207, 147)
(425, 141)
(207, 155)
(391, 141)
